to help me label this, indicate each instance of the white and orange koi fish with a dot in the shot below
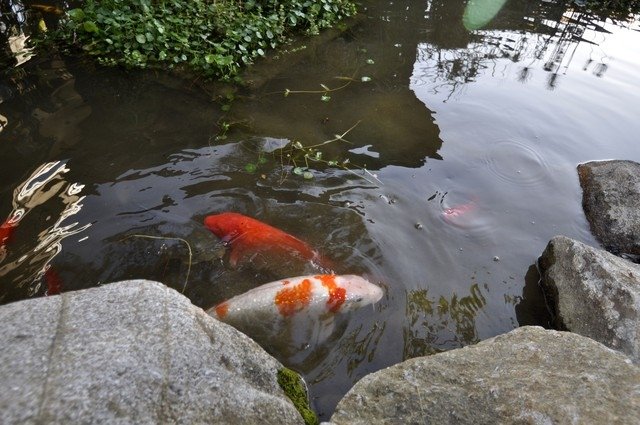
(296, 309)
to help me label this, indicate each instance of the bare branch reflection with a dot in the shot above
(445, 322)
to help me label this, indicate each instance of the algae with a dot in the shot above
(295, 388)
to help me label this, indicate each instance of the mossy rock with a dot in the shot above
(295, 388)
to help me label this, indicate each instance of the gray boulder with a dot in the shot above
(593, 293)
(529, 375)
(611, 202)
(132, 352)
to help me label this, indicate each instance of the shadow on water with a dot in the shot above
(469, 157)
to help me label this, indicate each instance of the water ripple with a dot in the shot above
(516, 163)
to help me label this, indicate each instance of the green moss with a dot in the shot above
(295, 388)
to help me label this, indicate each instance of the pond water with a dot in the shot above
(462, 148)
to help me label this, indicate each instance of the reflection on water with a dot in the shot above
(25, 264)
(443, 323)
(474, 161)
(534, 36)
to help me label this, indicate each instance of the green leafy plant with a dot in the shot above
(306, 161)
(211, 38)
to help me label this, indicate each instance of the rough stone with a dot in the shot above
(529, 375)
(593, 293)
(611, 202)
(132, 352)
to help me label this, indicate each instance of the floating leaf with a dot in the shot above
(262, 160)
(370, 61)
(251, 168)
(308, 175)
(325, 98)
(286, 92)
(365, 79)
(298, 171)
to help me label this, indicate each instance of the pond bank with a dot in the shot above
(139, 351)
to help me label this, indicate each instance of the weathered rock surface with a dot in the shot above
(594, 293)
(611, 202)
(529, 375)
(132, 352)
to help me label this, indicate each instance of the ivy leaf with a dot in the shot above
(76, 14)
(90, 26)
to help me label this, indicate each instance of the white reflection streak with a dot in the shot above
(28, 188)
(31, 193)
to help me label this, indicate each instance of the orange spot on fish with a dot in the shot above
(222, 309)
(337, 295)
(291, 300)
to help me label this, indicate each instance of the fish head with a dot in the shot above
(359, 292)
(226, 225)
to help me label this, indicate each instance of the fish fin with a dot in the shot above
(323, 329)
(238, 251)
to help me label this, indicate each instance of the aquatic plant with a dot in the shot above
(306, 160)
(212, 38)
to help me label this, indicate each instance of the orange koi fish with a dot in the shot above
(248, 237)
(6, 232)
(302, 304)
(53, 280)
(451, 214)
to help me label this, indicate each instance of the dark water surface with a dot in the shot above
(470, 140)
